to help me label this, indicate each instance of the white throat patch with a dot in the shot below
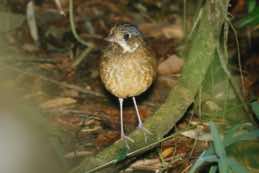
(126, 48)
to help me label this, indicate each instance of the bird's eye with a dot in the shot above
(126, 36)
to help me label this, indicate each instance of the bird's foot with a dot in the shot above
(126, 139)
(145, 131)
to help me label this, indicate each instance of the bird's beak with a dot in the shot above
(109, 38)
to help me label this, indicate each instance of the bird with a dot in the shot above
(127, 69)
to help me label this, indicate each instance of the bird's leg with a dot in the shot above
(123, 136)
(140, 124)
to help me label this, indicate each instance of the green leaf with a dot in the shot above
(122, 154)
(251, 135)
(252, 19)
(233, 131)
(219, 148)
(217, 142)
(204, 158)
(213, 169)
(251, 5)
(236, 167)
(246, 136)
(255, 108)
(223, 167)
(232, 135)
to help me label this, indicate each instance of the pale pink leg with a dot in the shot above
(140, 124)
(123, 136)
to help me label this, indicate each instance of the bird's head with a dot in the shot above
(127, 36)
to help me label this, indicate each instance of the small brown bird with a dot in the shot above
(127, 68)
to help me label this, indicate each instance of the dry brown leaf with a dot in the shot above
(69, 122)
(198, 134)
(171, 65)
(169, 31)
(146, 165)
(47, 66)
(167, 152)
(58, 102)
(107, 138)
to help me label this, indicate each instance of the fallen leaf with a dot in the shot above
(198, 134)
(107, 138)
(167, 152)
(58, 102)
(47, 66)
(168, 31)
(147, 165)
(71, 121)
(171, 65)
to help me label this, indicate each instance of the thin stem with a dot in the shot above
(233, 84)
(82, 55)
(89, 45)
(195, 25)
(184, 17)
(72, 25)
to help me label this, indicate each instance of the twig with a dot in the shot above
(76, 154)
(195, 25)
(233, 83)
(81, 57)
(186, 169)
(238, 52)
(184, 17)
(89, 45)
(31, 21)
(34, 60)
(239, 58)
(227, 72)
(72, 25)
(59, 6)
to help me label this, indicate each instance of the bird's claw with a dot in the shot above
(126, 139)
(145, 131)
